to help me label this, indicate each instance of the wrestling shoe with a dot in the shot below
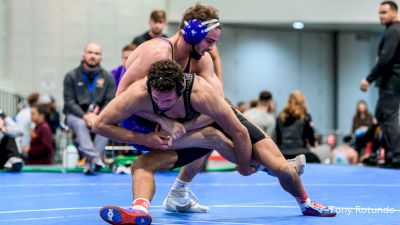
(119, 216)
(311, 208)
(298, 163)
(183, 201)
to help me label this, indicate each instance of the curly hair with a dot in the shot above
(296, 106)
(164, 75)
(200, 12)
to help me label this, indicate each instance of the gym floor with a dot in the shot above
(362, 196)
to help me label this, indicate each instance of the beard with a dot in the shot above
(194, 54)
(157, 32)
(92, 64)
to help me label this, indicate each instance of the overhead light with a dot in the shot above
(298, 25)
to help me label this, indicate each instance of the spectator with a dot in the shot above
(253, 103)
(260, 116)
(10, 159)
(42, 144)
(242, 106)
(272, 107)
(157, 23)
(363, 118)
(24, 121)
(344, 153)
(294, 131)
(52, 114)
(87, 89)
(120, 70)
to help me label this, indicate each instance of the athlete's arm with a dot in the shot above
(215, 106)
(205, 69)
(174, 128)
(121, 108)
(198, 122)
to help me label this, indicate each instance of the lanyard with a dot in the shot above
(90, 86)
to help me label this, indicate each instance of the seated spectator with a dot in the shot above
(294, 131)
(10, 159)
(23, 120)
(242, 106)
(88, 88)
(344, 153)
(52, 114)
(120, 70)
(42, 144)
(260, 115)
(272, 107)
(253, 103)
(362, 119)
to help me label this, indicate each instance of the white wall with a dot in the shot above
(2, 36)
(357, 54)
(256, 59)
(45, 38)
(40, 40)
(272, 11)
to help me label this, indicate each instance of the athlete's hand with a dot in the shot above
(364, 85)
(246, 170)
(156, 140)
(255, 164)
(173, 128)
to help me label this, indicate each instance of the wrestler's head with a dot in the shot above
(200, 28)
(164, 83)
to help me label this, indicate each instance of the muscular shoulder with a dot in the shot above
(202, 91)
(152, 50)
(141, 59)
(135, 95)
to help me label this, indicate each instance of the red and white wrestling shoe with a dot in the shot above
(312, 208)
(119, 216)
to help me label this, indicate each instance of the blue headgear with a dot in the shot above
(195, 30)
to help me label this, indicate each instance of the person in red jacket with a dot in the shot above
(42, 144)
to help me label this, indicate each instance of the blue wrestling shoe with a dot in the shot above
(119, 216)
(312, 208)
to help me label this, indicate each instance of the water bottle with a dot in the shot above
(70, 156)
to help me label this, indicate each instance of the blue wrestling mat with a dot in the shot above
(363, 196)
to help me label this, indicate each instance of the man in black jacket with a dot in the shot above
(87, 89)
(157, 23)
(387, 75)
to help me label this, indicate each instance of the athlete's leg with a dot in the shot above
(266, 152)
(143, 188)
(211, 138)
(144, 168)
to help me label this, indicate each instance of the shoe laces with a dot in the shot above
(317, 205)
(187, 194)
